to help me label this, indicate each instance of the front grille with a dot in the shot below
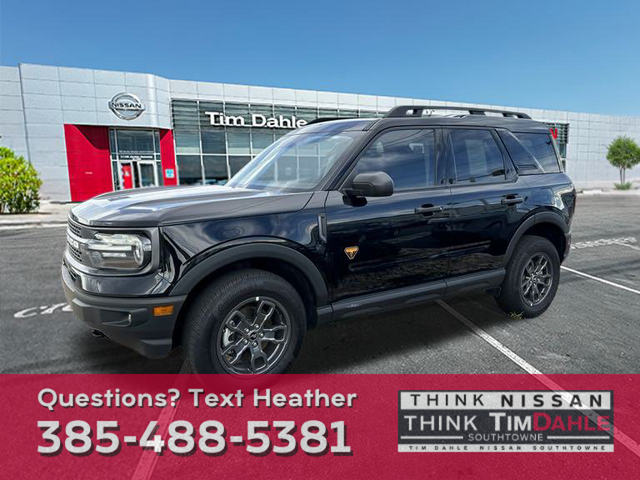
(75, 229)
(73, 244)
(75, 253)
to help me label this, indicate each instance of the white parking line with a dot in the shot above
(618, 435)
(510, 354)
(148, 459)
(601, 280)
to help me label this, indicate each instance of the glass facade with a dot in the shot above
(214, 140)
(561, 133)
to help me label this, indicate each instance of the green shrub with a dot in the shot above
(19, 184)
(623, 186)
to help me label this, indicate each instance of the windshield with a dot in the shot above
(295, 162)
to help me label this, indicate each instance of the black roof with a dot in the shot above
(418, 111)
(469, 116)
(512, 123)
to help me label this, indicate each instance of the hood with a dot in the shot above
(150, 207)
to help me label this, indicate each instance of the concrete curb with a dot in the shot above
(50, 213)
(613, 193)
(25, 225)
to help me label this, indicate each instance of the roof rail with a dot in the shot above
(417, 110)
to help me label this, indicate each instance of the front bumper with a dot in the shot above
(567, 248)
(128, 321)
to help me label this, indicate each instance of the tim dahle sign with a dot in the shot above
(505, 421)
(219, 119)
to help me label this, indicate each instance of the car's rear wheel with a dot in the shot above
(245, 323)
(532, 278)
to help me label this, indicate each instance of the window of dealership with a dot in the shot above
(214, 140)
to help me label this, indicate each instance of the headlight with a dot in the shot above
(119, 251)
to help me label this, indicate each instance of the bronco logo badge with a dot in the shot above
(351, 252)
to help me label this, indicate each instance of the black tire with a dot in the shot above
(208, 319)
(513, 299)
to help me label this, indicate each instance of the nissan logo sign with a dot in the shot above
(126, 106)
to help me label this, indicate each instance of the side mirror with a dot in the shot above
(372, 184)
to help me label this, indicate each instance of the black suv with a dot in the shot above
(339, 218)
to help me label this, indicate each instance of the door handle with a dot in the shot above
(512, 200)
(429, 209)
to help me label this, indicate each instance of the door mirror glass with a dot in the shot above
(372, 184)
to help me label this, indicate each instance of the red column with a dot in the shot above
(168, 158)
(88, 161)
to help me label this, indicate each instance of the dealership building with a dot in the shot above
(93, 131)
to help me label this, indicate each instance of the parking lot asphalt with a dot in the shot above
(593, 326)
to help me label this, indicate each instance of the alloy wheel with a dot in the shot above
(253, 336)
(536, 279)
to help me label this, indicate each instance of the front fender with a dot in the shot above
(232, 252)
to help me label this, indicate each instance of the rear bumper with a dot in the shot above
(128, 321)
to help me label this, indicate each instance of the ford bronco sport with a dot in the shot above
(335, 219)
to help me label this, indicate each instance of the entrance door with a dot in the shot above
(146, 174)
(135, 156)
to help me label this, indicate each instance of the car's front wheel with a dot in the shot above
(246, 322)
(532, 278)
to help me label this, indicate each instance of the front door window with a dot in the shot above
(406, 155)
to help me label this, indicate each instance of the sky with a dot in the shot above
(565, 55)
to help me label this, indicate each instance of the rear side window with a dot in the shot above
(540, 145)
(477, 156)
(524, 160)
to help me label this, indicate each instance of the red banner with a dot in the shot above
(320, 426)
